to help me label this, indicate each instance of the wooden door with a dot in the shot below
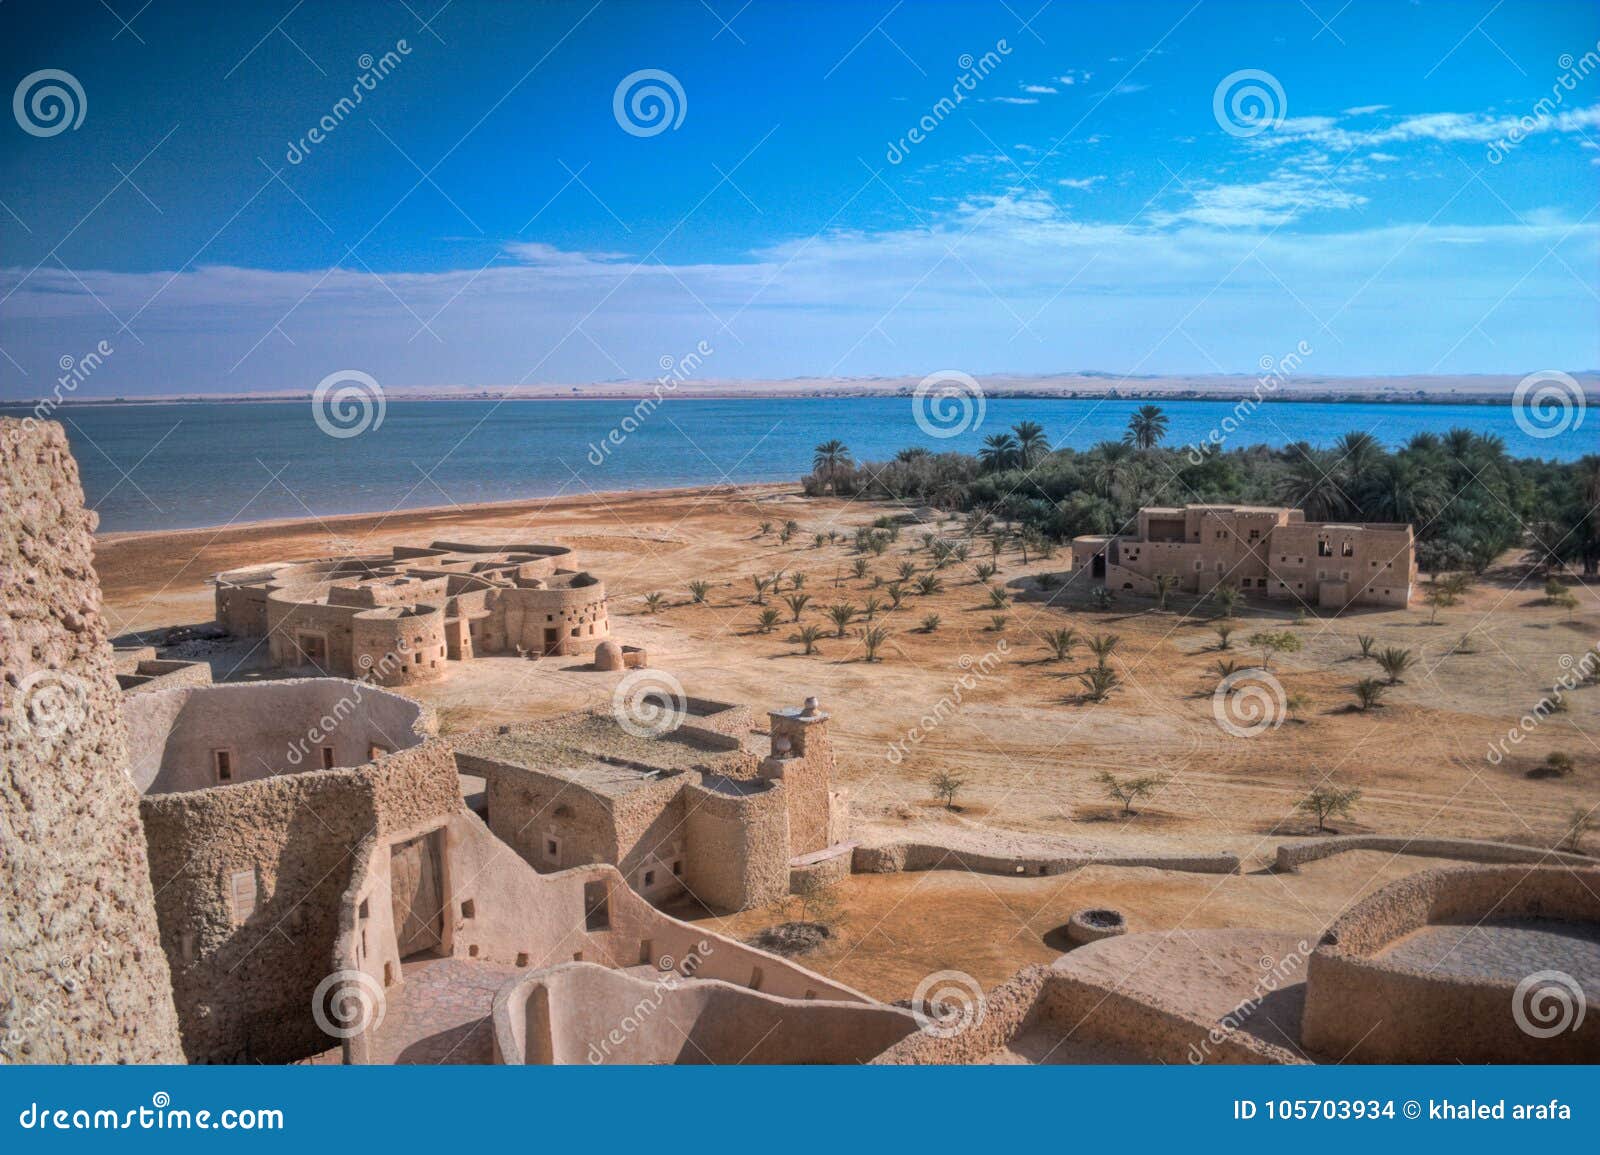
(417, 890)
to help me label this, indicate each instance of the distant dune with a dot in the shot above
(1475, 388)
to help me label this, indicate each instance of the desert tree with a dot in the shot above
(998, 598)
(896, 592)
(1101, 597)
(1224, 632)
(761, 585)
(984, 570)
(797, 604)
(654, 601)
(1271, 642)
(809, 636)
(929, 584)
(945, 787)
(1366, 642)
(872, 639)
(859, 567)
(842, 615)
(907, 570)
(698, 591)
(1129, 790)
(1327, 801)
(1226, 599)
(872, 607)
(1146, 427)
(997, 622)
(1102, 646)
(768, 620)
(930, 623)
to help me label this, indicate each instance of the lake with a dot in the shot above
(180, 466)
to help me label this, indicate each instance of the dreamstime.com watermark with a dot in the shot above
(160, 1115)
(1545, 108)
(1275, 973)
(675, 370)
(47, 705)
(348, 403)
(1548, 403)
(1249, 102)
(673, 974)
(648, 703)
(1546, 1003)
(1274, 372)
(22, 1026)
(1249, 702)
(49, 102)
(948, 1003)
(74, 372)
(974, 671)
(373, 673)
(948, 403)
(649, 102)
(348, 1003)
(1575, 672)
(373, 70)
(972, 71)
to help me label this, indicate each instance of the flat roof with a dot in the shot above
(590, 749)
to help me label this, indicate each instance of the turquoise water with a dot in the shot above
(197, 464)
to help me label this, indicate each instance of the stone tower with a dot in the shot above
(803, 758)
(82, 975)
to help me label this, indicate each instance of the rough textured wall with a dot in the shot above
(82, 976)
(738, 846)
(249, 880)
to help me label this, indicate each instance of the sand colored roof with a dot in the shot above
(590, 749)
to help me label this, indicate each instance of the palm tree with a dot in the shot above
(1098, 682)
(1395, 661)
(1226, 599)
(1224, 633)
(931, 623)
(872, 608)
(998, 598)
(809, 636)
(1369, 693)
(769, 619)
(1031, 443)
(1102, 646)
(698, 591)
(1311, 484)
(1359, 454)
(1061, 643)
(797, 603)
(761, 584)
(842, 614)
(871, 638)
(1114, 459)
(828, 459)
(1165, 584)
(1147, 427)
(653, 602)
(929, 584)
(999, 452)
(914, 453)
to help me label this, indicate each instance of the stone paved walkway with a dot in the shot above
(440, 1014)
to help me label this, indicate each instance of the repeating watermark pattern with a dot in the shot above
(948, 1003)
(49, 102)
(74, 372)
(972, 71)
(51, 1013)
(1248, 703)
(1249, 102)
(1275, 973)
(675, 370)
(975, 670)
(1545, 108)
(948, 403)
(639, 1014)
(324, 727)
(1574, 673)
(49, 704)
(373, 70)
(348, 403)
(648, 102)
(348, 1003)
(1548, 403)
(1274, 372)
(1546, 1003)
(648, 703)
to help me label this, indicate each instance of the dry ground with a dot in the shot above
(1018, 736)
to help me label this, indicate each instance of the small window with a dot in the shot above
(327, 757)
(1348, 549)
(1324, 547)
(596, 907)
(677, 868)
(1255, 535)
(649, 878)
(552, 849)
(222, 762)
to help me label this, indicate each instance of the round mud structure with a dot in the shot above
(1093, 925)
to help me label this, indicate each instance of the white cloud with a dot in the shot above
(1083, 182)
(1365, 109)
(1041, 89)
(1012, 100)
(1106, 295)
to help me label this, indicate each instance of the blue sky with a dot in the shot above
(483, 218)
